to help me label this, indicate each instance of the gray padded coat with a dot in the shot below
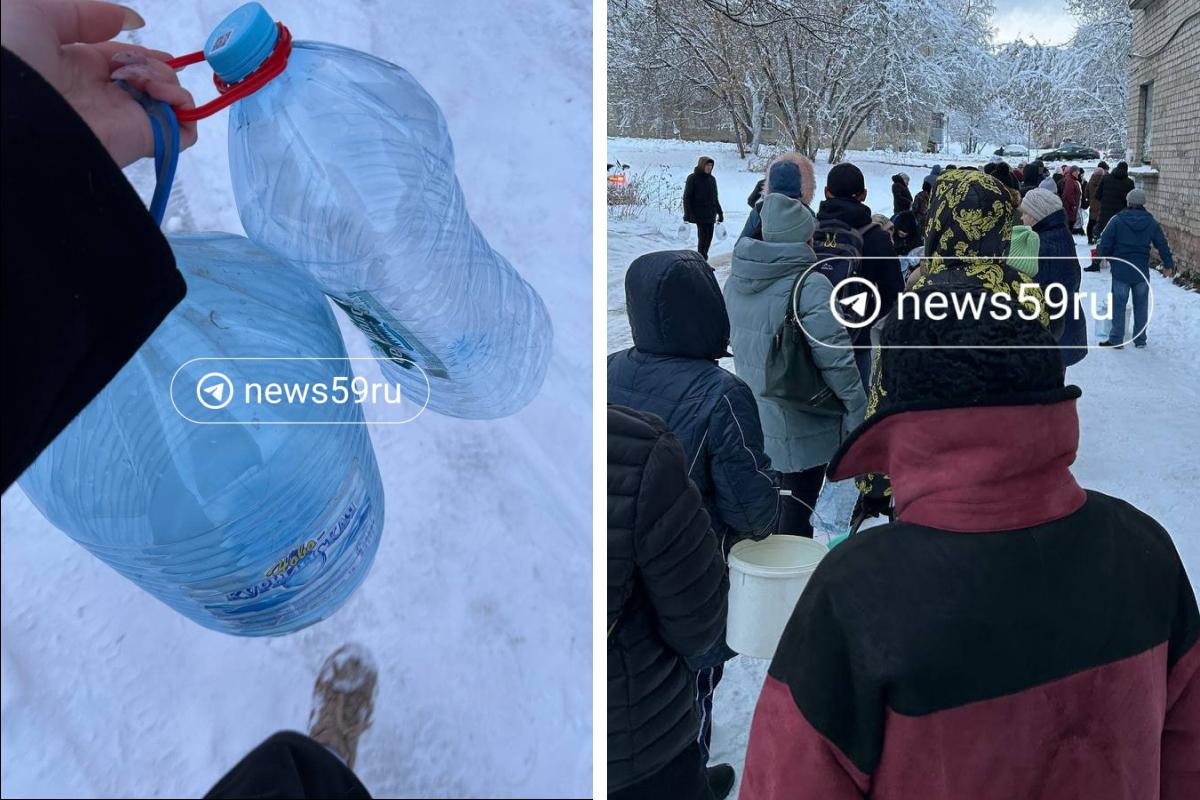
(757, 295)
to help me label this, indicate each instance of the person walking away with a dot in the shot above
(1128, 237)
(1093, 189)
(1058, 271)
(680, 328)
(1111, 194)
(845, 209)
(1010, 635)
(789, 174)
(701, 205)
(902, 198)
(1072, 197)
(667, 599)
(799, 438)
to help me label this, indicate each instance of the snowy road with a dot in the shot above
(478, 607)
(1138, 439)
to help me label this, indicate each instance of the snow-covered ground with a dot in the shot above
(1138, 437)
(478, 606)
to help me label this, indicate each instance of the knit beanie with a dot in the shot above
(785, 219)
(845, 180)
(1023, 254)
(1136, 197)
(784, 178)
(1041, 203)
(1048, 184)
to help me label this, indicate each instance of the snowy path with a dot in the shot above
(1138, 437)
(478, 607)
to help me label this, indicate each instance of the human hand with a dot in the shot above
(721, 218)
(67, 42)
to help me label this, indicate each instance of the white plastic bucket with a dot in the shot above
(765, 581)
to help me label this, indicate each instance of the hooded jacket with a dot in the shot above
(757, 295)
(1111, 193)
(1128, 236)
(808, 185)
(667, 590)
(680, 328)
(902, 198)
(1010, 635)
(700, 202)
(1059, 264)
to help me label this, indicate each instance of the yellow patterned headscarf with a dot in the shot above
(968, 237)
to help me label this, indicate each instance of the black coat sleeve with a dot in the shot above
(87, 275)
(688, 188)
(677, 554)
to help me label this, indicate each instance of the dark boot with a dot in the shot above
(720, 780)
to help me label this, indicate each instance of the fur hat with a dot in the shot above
(791, 174)
(919, 372)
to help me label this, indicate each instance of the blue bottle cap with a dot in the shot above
(241, 42)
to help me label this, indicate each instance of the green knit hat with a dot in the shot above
(1023, 254)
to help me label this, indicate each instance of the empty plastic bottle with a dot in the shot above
(834, 509)
(342, 165)
(245, 527)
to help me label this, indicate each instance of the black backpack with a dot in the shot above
(839, 249)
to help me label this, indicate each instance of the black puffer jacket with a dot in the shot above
(700, 202)
(902, 198)
(680, 328)
(667, 591)
(1111, 194)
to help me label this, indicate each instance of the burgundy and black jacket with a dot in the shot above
(1011, 637)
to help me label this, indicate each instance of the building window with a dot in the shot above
(768, 123)
(1146, 114)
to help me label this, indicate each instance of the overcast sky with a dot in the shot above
(1045, 20)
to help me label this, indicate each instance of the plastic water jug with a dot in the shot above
(218, 506)
(342, 166)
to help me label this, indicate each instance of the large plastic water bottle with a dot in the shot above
(834, 510)
(242, 524)
(342, 165)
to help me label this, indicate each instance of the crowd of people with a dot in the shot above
(919, 662)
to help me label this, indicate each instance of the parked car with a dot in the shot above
(1013, 150)
(1069, 151)
(1115, 152)
(618, 173)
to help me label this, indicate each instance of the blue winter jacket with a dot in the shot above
(1059, 263)
(680, 329)
(1128, 235)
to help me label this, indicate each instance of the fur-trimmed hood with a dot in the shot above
(808, 177)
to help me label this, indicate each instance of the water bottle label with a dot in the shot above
(388, 335)
(311, 554)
